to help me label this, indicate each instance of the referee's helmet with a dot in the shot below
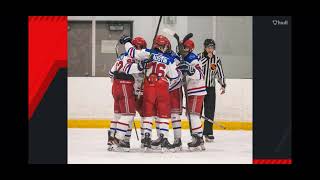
(209, 43)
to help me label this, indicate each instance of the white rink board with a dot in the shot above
(88, 146)
(91, 98)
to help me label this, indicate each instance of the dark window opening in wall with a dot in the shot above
(107, 36)
(79, 48)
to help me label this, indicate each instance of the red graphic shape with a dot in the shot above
(272, 161)
(47, 54)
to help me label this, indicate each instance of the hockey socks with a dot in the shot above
(196, 124)
(176, 125)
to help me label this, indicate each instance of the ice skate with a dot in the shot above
(113, 144)
(155, 144)
(147, 142)
(177, 144)
(209, 138)
(165, 144)
(196, 143)
(110, 141)
(202, 144)
(142, 143)
(123, 146)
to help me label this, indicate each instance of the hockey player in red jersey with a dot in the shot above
(191, 68)
(159, 68)
(175, 92)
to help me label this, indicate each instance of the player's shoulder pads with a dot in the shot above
(191, 57)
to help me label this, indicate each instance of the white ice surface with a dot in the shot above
(89, 146)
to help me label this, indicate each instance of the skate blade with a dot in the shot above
(178, 148)
(209, 140)
(125, 149)
(121, 149)
(155, 147)
(163, 150)
(110, 148)
(194, 149)
(147, 149)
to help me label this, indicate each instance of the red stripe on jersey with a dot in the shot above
(197, 88)
(131, 52)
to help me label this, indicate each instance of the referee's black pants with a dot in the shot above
(209, 109)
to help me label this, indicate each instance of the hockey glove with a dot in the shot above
(124, 39)
(143, 64)
(186, 68)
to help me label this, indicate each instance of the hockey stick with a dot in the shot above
(117, 49)
(155, 35)
(209, 120)
(135, 129)
(183, 54)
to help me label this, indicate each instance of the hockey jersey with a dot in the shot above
(162, 64)
(126, 65)
(195, 83)
(175, 83)
(123, 65)
(138, 79)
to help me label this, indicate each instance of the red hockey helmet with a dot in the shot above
(139, 43)
(161, 41)
(189, 44)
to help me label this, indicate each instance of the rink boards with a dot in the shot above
(90, 104)
(100, 123)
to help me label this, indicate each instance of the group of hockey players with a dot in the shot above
(150, 81)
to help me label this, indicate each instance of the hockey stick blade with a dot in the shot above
(188, 36)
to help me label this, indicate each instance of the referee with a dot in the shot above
(212, 67)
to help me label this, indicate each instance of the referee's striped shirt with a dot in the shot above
(208, 73)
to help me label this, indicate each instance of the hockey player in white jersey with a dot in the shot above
(196, 89)
(124, 102)
(139, 43)
(159, 68)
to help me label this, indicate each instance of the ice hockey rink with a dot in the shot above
(89, 146)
